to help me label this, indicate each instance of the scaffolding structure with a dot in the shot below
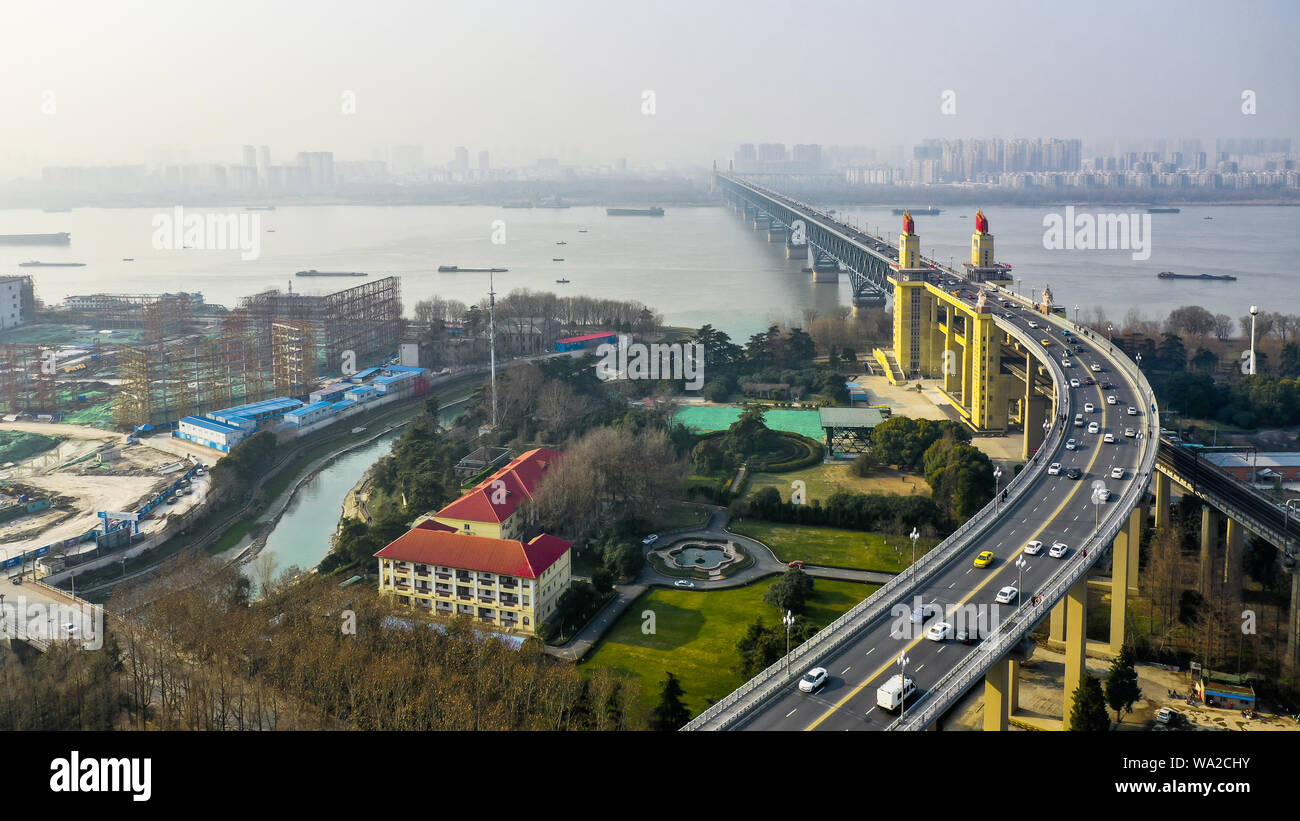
(275, 344)
(28, 379)
(366, 320)
(160, 315)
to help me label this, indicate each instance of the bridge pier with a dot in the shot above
(1035, 413)
(1056, 626)
(776, 233)
(1209, 548)
(793, 251)
(1162, 499)
(1293, 633)
(1076, 642)
(1232, 556)
(997, 701)
(1124, 551)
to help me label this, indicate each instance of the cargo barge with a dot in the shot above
(1172, 275)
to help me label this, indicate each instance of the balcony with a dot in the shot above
(443, 591)
(509, 602)
(509, 586)
(487, 600)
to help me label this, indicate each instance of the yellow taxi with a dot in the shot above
(984, 559)
(1046, 342)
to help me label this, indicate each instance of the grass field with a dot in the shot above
(706, 418)
(696, 633)
(831, 546)
(823, 480)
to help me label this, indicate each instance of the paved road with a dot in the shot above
(1056, 508)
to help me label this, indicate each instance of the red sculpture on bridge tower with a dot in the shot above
(909, 227)
(981, 222)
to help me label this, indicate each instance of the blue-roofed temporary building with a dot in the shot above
(209, 433)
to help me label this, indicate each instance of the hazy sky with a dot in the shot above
(131, 81)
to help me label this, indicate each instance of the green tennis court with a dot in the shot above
(706, 419)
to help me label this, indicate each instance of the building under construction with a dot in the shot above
(366, 320)
(276, 344)
(160, 315)
(27, 379)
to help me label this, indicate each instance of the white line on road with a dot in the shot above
(872, 650)
(792, 712)
(845, 671)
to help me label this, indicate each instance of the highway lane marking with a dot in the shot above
(856, 690)
(951, 586)
(845, 670)
(792, 712)
(872, 650)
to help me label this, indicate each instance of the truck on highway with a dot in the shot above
(891, 694)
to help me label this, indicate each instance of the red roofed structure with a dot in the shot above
(504, 557)
(488, 509)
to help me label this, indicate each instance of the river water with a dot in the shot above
(695, 265)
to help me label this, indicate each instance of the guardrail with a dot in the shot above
(1010, 632)
(753, 693)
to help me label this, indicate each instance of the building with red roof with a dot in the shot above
(506, 583)
(489, 508)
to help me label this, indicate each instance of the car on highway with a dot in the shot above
(1058, 550)
(1065, 363)
(1093, 427)
(892, 694)
(1132, 411)
(1088, 407)
(1033, 324)
(1070, 444)
(1117, 473)
(1073, 473)
(1007, 595)
(1054, 469)
(1033, 548)
(1112, 400)
(1096, 368)
(1088, 380)
(1006, 314)
(918, 615)
(1074, 383)
(651, 539)
(1130, 433)
(1046, 342)
(685, 583)
(1078, 420)
(1104, 494)
(984, 559)
(814, 680)
(939, 631)
(1109, 438)
(967, 636)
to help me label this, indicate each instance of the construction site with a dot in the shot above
(136, 360)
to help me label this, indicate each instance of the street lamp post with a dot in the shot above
(1076, 315)
(902, 684)
(1109, 328)
(789, 623)
(914, 535)
(997, 487)
(1254, 311)
(1020, 579)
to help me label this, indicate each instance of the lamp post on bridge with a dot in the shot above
(914, 535)
(902, 684)
(788, 620)
(1020, 580)
(1076, 316)
(997, 487)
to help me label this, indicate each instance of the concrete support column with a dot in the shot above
(1057, 625)
(1293, 619)
(996, 705)
(1076, 641)
(1034, 415)
(1013, 686)
(1209, 548)
(1125, 544)
(796, 251)
(1137, 521)
(1162, 499)
(1232, 556)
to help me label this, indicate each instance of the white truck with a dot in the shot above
(890, 695)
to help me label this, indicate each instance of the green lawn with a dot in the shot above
(696, 633)
(680, 515)
(833, 547)
(820, 481)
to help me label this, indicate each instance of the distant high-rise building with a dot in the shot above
(620, 165)
(771, 152)
(808, 158)
(408, 159)
(483, 166)
(317, 168)
(264, 167)
(462, 160)
(250, 156)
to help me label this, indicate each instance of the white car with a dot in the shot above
(1096, 368)
(1007, 595)
(1117, 473)
(1070, 444)
(1058, 550)
(1112, 400)
(1093, 427)
(1074, 383)
(1054, 469)
(1105, 494)
(1130, 433)
(1088, 407)
(918, 615)
(1033, 548)
(651, 539)
(1065, 363)
(814, 680)
(939, 631)
(1109, 438)
(1132, 411)
(1033, 324)
(1165, 716)
(686, 583)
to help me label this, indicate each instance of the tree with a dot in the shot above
(670, 714)
(1089, 711)
(1122, 688)
(1222, 327)
(759, 648)
(1192, 319)
(790, 592)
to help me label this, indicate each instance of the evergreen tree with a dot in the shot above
(1122, 688)
(670, 714)
(1089, 713)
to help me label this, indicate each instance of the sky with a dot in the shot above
(128, 81)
